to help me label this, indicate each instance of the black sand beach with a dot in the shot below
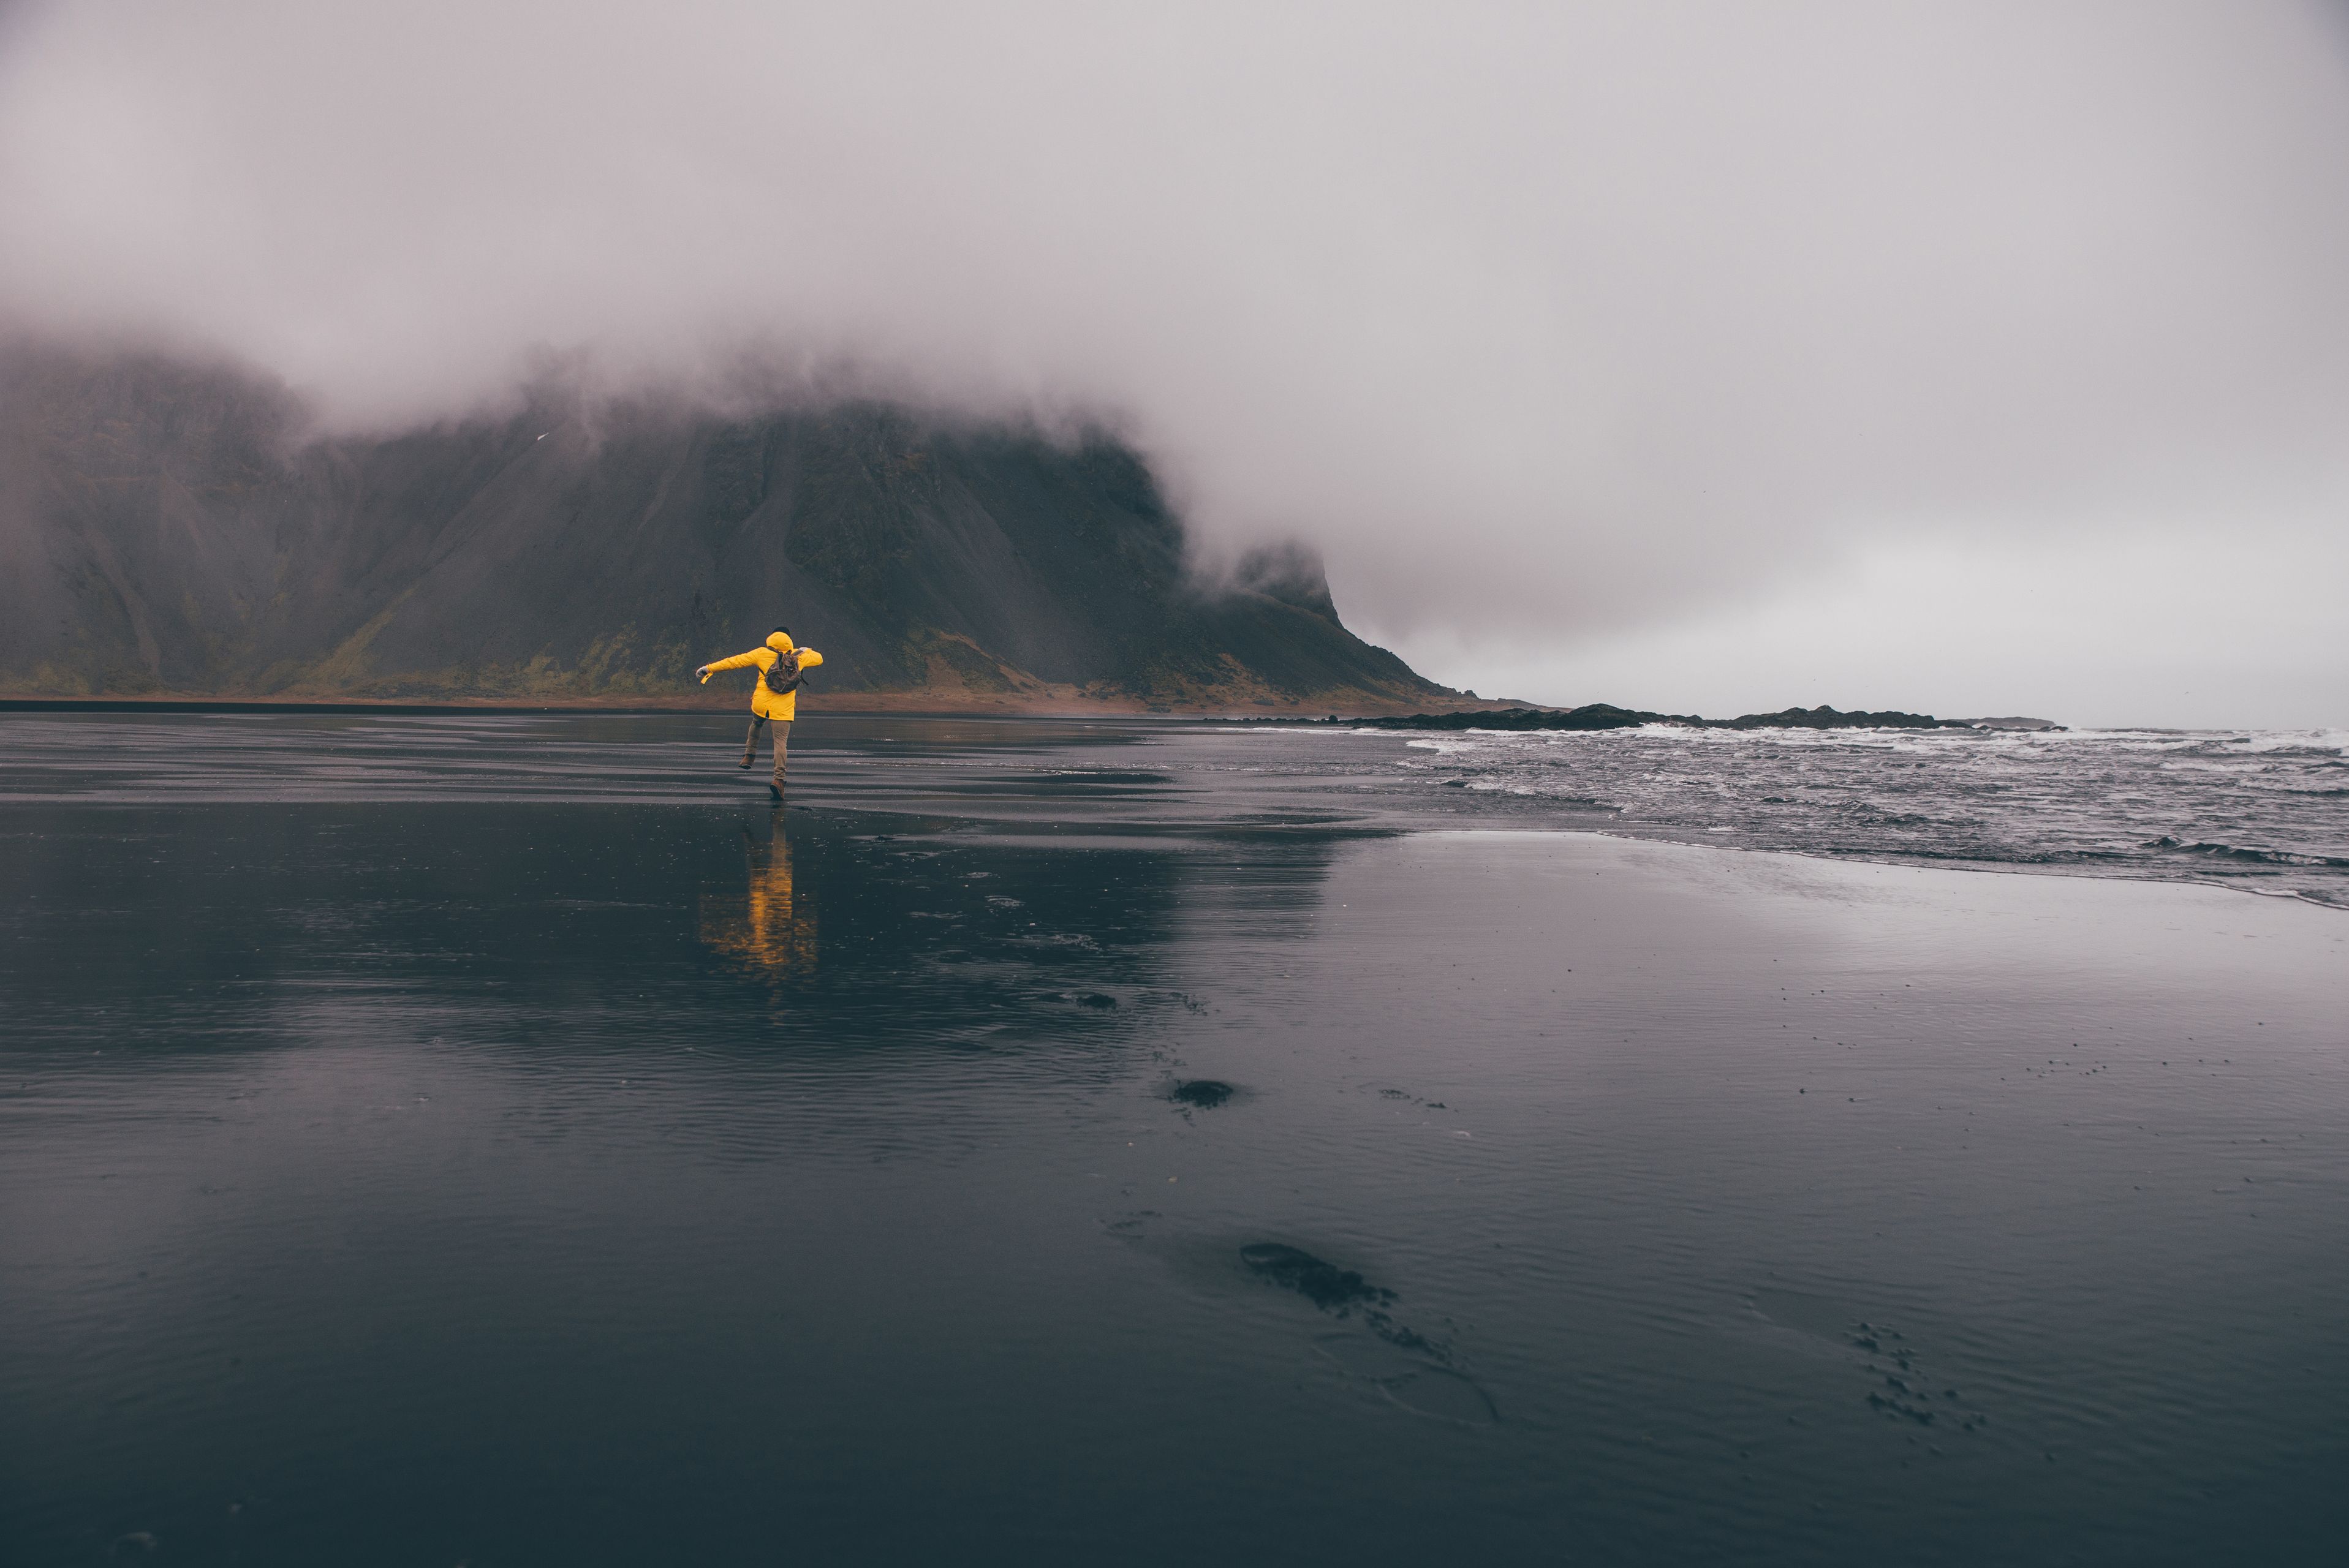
(506, 1144)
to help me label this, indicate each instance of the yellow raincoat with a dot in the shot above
(765, 703)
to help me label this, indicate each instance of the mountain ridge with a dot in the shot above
(168, 529)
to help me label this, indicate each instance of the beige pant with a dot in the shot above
(782, 742)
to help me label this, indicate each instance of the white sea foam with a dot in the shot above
(2270, 807)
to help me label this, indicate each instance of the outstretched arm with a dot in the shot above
(738, 662)
(809, 658)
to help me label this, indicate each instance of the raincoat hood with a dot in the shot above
(781, 643)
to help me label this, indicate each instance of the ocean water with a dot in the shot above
(497, 1140)
(2264, 810)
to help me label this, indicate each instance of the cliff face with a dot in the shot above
(163, 531)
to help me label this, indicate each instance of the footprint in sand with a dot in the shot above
(1403, 1365)
(1903, 1389)
(1415, 1385)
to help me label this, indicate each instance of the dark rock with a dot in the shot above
(1591, 716)
(1825, 717)
(1606, 716)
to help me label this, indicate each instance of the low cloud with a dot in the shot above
(1555, 328)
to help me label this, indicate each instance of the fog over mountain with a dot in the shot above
(1969, 357)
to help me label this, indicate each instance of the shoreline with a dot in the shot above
(1976, 867)
(909, 705)
(231, 768)
(881, 709)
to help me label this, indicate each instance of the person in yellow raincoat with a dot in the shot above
(775, 699)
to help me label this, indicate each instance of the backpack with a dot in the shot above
(783, 677)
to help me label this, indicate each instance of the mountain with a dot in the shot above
(167, 530)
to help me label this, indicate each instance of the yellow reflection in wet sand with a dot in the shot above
(770, 926)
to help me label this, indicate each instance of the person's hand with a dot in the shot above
(703, 675)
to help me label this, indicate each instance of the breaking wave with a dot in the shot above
(2263, 810)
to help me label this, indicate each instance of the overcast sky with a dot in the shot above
(1966, 357)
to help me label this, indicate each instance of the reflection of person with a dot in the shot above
(775, 699)
(772, 925)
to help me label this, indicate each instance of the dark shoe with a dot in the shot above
(774, 794)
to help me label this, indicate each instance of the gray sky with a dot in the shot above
(1967, 357)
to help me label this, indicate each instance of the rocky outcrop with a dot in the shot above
(1606, 716)
(1825, 717)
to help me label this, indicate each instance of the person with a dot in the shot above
(775, 699)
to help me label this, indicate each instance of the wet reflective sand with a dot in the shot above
(544, 1153)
